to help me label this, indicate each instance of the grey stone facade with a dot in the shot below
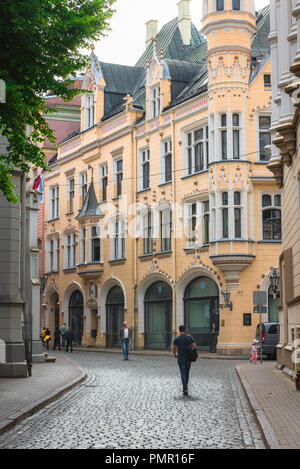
(19, 302)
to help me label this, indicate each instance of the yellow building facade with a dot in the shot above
(163, 201)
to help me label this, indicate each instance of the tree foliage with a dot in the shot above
(40, 49)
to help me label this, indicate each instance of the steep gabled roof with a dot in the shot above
(90, 207)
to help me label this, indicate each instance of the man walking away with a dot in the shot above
(180, 351)
(125, 336)
(56, 338)
(69, 339)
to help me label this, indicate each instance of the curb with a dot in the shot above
(44, 402)
(265, 427)
(149, 353)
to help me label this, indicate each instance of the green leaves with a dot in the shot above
(40, 48)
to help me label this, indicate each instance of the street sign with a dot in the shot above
(260, 298)
(257, 310)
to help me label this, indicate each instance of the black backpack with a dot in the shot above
(192, 352)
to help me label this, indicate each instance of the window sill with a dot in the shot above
(70, 269)
(70, 213)
(53, 219)
(117, 197)
(270, 241)
(195, 174)
(164, 253)
(122, 260)
(165, 183)
(146, 256)
(144, 190)
(192, 249)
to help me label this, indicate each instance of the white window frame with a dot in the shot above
(92, 238)
(272, 194)
(52, 249)
(199, 217)
(83, 183)
(164, 155)
(83, 245)
(70, 247)
(117, 235)
(143, 159)
(190, 150)
(155, 101)
(260, 131)
(89, 111)
(54, 202)
(103, 174)
(166, 228)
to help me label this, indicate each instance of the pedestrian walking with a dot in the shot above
(47, 337)
(63, 332)
(125, 336)
(56, 338)
(69, 340)
(254, 351)
(42, 336)
(181, 346)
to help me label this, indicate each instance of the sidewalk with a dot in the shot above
(275, 403)
(21, 398)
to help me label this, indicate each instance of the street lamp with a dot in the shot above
(228, 303)
(274, 279)
(43, 281)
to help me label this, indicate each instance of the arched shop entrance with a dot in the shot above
(158, 316)
(76, 312)
(114, 316)
(201, 312)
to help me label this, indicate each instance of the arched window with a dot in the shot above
(114, 316)
(158, 316)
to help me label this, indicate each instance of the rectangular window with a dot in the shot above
(95, 245)
(155, 101)
(83, 186)
(167, 160)
(146, 169)
(51, 255)
(197, 150)
(267, 81)
(220, 5)
(118, 240)
(83, 246)
(236, 4)
(225, 214)
(148, 242)
(71, 195)
(54, 202)
(104, 181)
(224, 136)
(192, 224)
(71, 251)
(119, 177)
(58, 254)
(166, 228)
(264, 137)
(206, 219)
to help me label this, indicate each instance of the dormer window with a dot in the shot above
(155, 101)
(89, 111)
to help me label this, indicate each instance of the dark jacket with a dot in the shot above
(122, 334)
(69, 336)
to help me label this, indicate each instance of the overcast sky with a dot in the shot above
(126, 42)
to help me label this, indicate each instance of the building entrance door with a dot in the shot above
(201, 305)
(114, 316)
(76, 312)
(158, 316)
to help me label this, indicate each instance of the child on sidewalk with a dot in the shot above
(254, 351)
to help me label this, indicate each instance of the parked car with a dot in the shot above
(270, 338)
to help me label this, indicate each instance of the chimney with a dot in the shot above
(151, 31)
(185, 21)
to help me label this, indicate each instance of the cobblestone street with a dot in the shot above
(138, 404)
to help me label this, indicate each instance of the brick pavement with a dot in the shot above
(21, 398)
(275, 402)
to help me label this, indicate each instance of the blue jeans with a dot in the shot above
(185, 367)
(125, 345)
